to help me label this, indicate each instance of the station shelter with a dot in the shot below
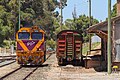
(101, 29)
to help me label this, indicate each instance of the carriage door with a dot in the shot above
(69, 47)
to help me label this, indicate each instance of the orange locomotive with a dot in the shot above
(31, 47)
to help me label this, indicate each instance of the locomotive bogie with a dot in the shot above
(34, 58)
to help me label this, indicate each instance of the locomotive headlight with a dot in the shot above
(39, 49)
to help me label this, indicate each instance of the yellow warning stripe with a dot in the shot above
(38, 45)
(23, 45)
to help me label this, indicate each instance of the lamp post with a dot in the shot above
(90, 24)
(61, 14)
(90, 13)
(74, 16)
(109, 38)
(19, 16)
(62, 4)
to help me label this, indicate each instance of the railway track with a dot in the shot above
(5, 63)
(2, 58)
(49, 55)
(21, 71)
(6, 60)
(1, 61)
(10, 73)
(30, 73)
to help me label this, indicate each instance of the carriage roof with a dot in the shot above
(66, 31)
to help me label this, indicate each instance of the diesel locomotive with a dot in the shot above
(31, 46)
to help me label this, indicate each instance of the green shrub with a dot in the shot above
(51, 43)
(7, 43)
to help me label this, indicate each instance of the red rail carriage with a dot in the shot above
(69, 47)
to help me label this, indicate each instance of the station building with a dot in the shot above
(101, 29)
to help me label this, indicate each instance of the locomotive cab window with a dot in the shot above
(23, 35)
(37, 35)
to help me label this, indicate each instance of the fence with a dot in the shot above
(6, 52)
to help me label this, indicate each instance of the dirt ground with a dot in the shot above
(51, 71)
(70, 72)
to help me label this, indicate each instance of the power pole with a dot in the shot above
(19, 16)
(74, 16)
(62, 4)
(109, 38)
(61, 14)
(90, 24)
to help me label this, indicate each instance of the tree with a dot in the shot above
(70, 24)
(37, 11)
(114, 11)
(82, 23)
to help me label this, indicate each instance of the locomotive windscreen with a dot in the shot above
(23, 35)
(37, 35)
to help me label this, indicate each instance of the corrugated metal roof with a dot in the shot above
(102, 24)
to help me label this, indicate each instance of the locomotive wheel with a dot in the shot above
(44, 57)
(64, 63)
(76, 62)
(61, 62)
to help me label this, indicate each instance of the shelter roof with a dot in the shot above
(102, 24)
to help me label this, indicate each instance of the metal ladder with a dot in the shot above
(70, 47)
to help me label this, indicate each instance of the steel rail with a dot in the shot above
(30, 73)
(9, 56)
(50, 54)
(37, 67)
(7, 64)
(10, 73)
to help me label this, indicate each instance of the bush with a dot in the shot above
(51, 43)
(7, 43)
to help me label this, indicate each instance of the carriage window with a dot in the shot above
(37, 35)
(23, 35)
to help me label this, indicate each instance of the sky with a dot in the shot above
(99, 8)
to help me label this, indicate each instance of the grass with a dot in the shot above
(86, 47)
